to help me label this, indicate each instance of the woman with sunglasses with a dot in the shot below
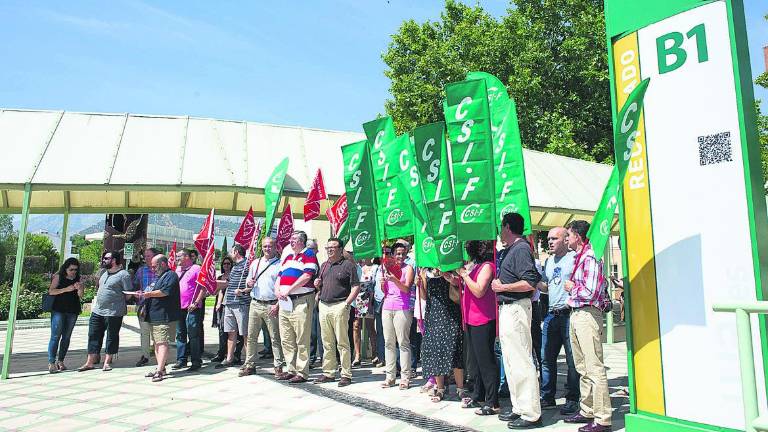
(218, 314)
(67, 289)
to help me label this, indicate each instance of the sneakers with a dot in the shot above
(248, 370)
(179, 365)
(323, 379)
(224, 364)
(548, 404)
(52, 368)
(570, 408)
(194, 367)
(344, 381)
(524, 424)
(142, 361)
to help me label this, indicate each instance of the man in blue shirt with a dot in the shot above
(557, 269)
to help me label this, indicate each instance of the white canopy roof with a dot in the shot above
(100, 163)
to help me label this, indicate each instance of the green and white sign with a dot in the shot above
(468, 120)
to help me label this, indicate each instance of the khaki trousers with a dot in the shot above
(586, 343)
(516, 351)
(295, 332)
(146, 344)
(259, 312)
(334, 327)
(397, 330)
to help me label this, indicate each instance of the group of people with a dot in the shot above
(474, 326)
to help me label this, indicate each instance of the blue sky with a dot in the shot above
(309, 63)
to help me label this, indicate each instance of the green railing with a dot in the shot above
(747, 359)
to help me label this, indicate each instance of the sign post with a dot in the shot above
(693, 226)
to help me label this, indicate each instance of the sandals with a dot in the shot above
(84, 368)
(427, 388)
(60, 366)
(462, 393)
(158, 376)
(468, 402)
(439, 395)
(405, 383)
(486, 410)
(388, 383)
(107, 367)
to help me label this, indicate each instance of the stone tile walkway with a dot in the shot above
(215, 399)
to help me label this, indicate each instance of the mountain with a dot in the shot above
(53, 223)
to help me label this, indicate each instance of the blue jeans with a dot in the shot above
(503, 387)
(555, 335)
(188, 336)
(379, 330)
(61, 331)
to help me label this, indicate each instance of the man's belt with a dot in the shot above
(298, 296)
(268, 302)
(561, 311)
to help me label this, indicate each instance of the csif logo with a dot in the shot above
(470, 213)
(428, 244)
(448, 244)
(395, 216)
(509, 208)
(604, 228)
(362, 238)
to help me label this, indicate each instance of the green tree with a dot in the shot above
(550, 53)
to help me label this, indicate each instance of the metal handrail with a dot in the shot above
(746, 357)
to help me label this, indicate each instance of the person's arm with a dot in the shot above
(421, 284)
(162, 289)
(484, 277)
(585, 286)
(354, 281)
(300, 282)
(127, 282)
(52, 290)
(404, 287)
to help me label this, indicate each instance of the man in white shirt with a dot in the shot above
(260, 283)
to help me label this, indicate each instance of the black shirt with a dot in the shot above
(68, 302)
(516, 264)
(338, 278)
(164, 309)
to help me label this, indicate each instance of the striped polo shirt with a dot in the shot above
(237, 277)
(296, 264)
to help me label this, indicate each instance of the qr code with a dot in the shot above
(715, 148)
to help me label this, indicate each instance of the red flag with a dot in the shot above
(207, 276)
(337, 214)
(205, 237)
(315, 195)
(172, 257)
(247, 228)
(286, 229)
(251, 252)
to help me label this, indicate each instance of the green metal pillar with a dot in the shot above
(607, 271)
(21, 244)
(747, 366)
(63, 247)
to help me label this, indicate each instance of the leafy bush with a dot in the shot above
(29, 305)
(32, 264)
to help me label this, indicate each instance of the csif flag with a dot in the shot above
(363, 227)
(205, 237)
(315, 195)
(272, 191)
(172, 257)
(207, 276)
(624, 135)
(508, 164)
(468, 119)
(247, 229)
(285, 230)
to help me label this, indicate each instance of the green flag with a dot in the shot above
(361, 201)
(469, 130)
(508, 163)
(423, 243)
(624, 135)
(432, 161)
(272, 191)
(389, 155)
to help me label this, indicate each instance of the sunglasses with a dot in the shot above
(72, 269)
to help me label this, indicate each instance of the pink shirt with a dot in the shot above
(394, 297)
(478, 311)
(187, 284)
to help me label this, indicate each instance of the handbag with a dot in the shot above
(47, 302)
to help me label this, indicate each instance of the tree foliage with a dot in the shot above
(550, 53)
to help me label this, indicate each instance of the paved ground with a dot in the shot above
(216, 399)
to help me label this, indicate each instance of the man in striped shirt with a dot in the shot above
(295, 284)
(586, 294)
(236, 304)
